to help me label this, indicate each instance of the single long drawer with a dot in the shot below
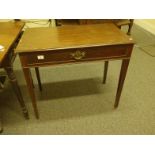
(76, 54)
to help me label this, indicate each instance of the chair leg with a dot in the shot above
(130, 26)
(38, 78)
(105, 71)
(58, 22)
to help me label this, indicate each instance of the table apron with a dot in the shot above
(76, 55)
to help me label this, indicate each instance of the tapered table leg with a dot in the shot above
(38, 78)
(17, 91)
(122, 76)
(31, 90)
(105, 71)
(32, 80)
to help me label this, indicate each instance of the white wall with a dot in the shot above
(147, 24)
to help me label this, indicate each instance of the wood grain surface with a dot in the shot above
(72, 36)
(9, 32)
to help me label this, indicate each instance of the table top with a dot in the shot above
(72, 36)
(9, 32)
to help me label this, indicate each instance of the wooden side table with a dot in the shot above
(73, 44)
(9, 36)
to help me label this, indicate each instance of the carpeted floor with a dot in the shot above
(74, 100)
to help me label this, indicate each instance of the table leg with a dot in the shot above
(29, 82)
(105, 71)
(122, 76)
(38, 78)
(17, 91)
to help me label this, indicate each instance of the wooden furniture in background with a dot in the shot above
(9, 36)
(118, 22)
(73, 44)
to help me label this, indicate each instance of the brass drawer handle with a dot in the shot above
(78, 55)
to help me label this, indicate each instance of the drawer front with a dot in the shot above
(76, 55)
